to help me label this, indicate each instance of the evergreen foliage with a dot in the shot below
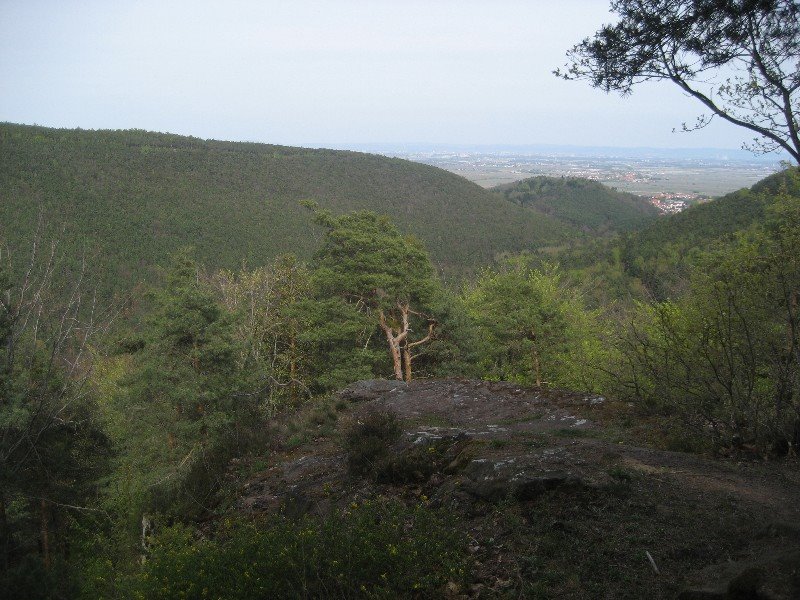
(655, 261)
(737, 58)
(586, 205)
(338, 338)
(53, 449)
(662, 254)
(130, 198)
(186, 400)
(367, 262)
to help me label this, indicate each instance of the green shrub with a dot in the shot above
(417, 463)
(368, 551)
(368, 441)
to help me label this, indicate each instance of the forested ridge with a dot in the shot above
(129, 198)
(655, 259)
(586, 205)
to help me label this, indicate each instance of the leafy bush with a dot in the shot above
(368, 440)
(724, 357)
(532, 328)
(368, 551)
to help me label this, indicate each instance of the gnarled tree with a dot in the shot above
(738, 58)
(369, 263)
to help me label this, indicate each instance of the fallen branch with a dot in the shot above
(652, 563)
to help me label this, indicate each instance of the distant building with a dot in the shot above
(669, 203)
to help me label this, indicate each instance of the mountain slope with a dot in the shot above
(132, 197)
(660, 254)
(703, 224)
(581, 203)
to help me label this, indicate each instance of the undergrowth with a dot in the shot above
(372, 550)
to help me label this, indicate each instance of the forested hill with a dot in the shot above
(133, 197)
(582, 203)
(661, 254)
(702, 225)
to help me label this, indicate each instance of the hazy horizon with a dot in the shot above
(315, 73)
(379, 147)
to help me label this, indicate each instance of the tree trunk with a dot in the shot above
(399, 346)
(407, 361)
(394, 347)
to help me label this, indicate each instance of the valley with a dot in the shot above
(528, 348)
(642, 172)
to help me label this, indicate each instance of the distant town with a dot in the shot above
(668, 179)
(670, 203)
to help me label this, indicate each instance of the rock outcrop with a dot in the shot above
(488, 451)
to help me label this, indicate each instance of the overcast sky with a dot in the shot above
(334, 72)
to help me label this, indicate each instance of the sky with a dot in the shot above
(302, 72)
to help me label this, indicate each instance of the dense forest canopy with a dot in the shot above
(586, 205)
(129, 198)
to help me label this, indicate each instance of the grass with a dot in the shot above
(315, 420)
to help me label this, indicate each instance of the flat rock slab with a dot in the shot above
(495, 481)
(477, 408)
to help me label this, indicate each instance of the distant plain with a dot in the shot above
(712, 175)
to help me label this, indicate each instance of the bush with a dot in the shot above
(368, 441)
(368, 551)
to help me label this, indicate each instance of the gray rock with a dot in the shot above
(489, 490)
(494, 481)
(371, 389)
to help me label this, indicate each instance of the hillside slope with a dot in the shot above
(132, 197)
(660, 254)
(581, 203)
(702, 224)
